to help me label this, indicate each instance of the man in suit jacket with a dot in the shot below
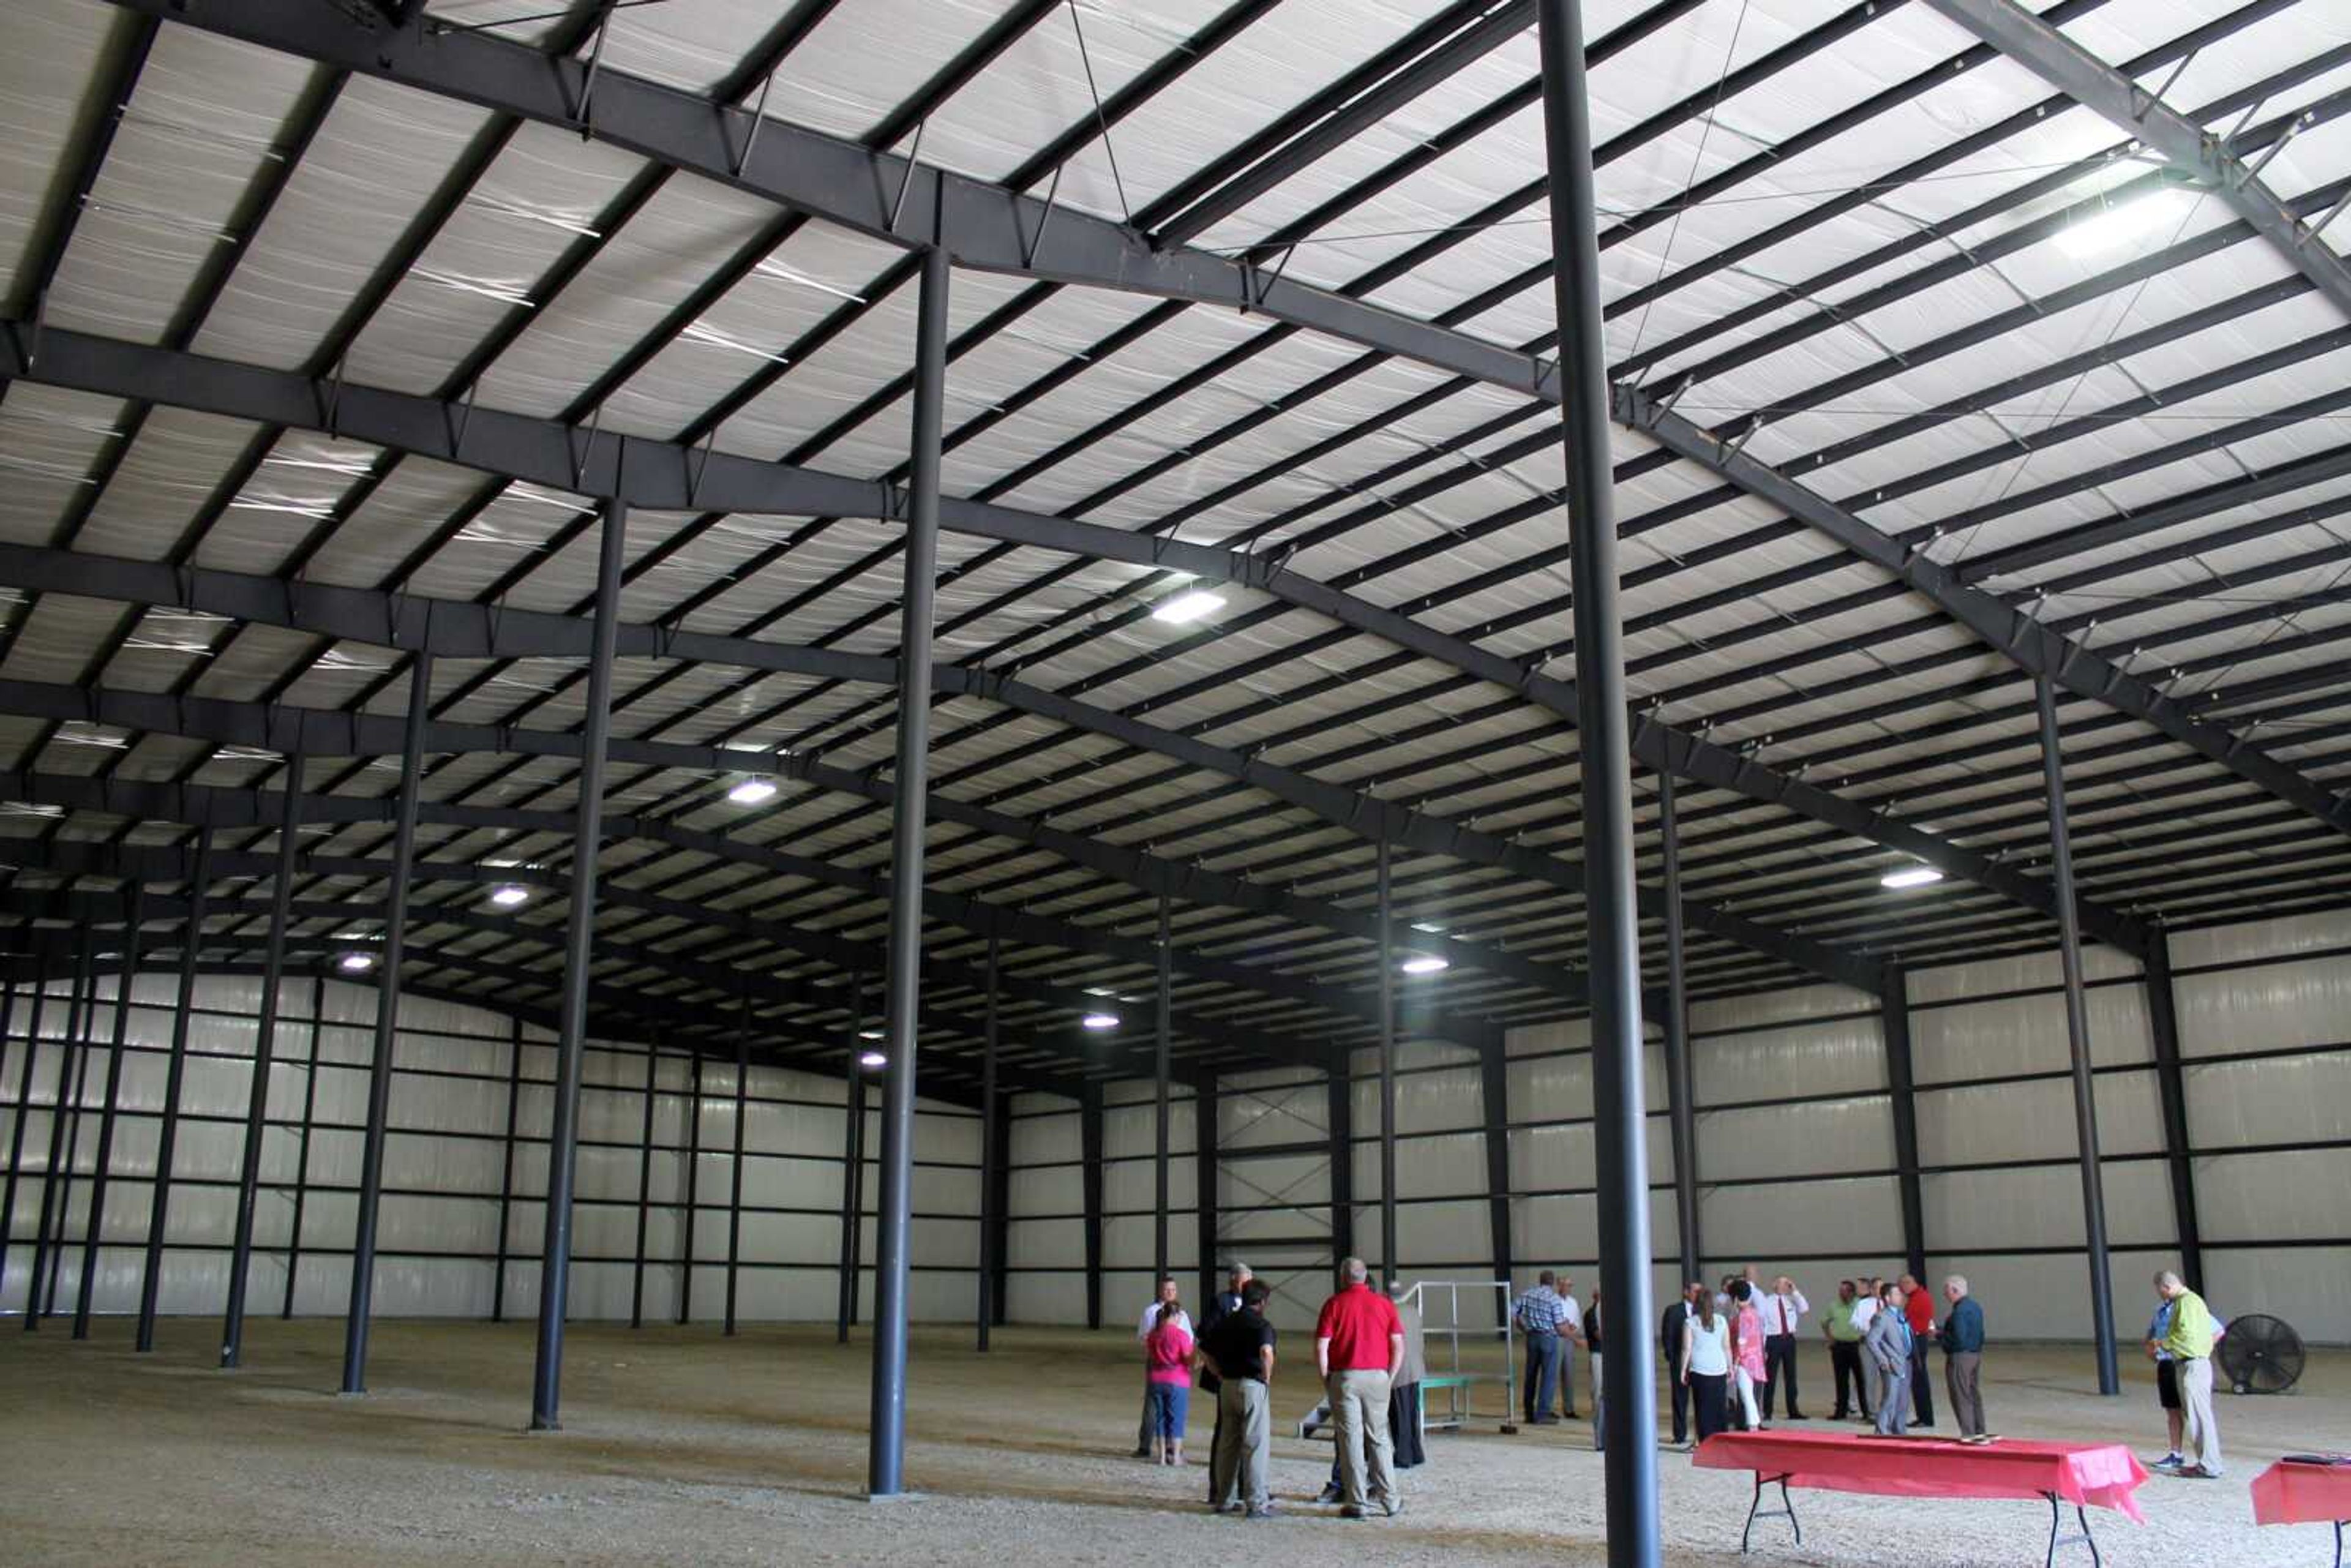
(1221, 1306)
(1886, 1348)
(1669, 1339)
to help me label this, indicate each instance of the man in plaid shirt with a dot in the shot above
(1539, 1314)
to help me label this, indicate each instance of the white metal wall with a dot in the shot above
(1796, 1144)
(444, 1159)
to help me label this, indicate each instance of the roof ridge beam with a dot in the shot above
(2106, 92)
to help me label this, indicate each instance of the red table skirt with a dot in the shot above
(2288, 1493)
(2089, 1474)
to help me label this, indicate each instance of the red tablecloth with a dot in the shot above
(2093, 1474)
(2288, 1493)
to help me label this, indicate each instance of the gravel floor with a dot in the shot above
(684, 1447)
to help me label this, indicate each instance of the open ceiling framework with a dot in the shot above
(1835, 622)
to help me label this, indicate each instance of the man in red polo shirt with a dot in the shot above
(1918, 1306)
(1359, 1344)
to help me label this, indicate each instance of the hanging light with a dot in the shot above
(872, 1059)
(356, 963)
(1100, 1020)
(753, 792)
(1183, 609)
(506, 895)
(1910, 876)
(1425, 964)
(2119, 224)
(869, 1034)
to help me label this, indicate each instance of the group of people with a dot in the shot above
(1367, 1357)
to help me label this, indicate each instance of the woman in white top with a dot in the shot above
(1705, 1367)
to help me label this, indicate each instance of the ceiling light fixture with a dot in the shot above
(1425, 964)
(1431, 926)
(356, 963)
(506, 895)
(869, 1034)
(753, 792)
(1910, 876)
(1183, 609)
(1100, 1020)
(2118, 223)
(873, 1058)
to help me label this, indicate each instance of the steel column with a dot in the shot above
(73, 1130)
(1340, 1103)
(1494, 1095)
(1089, 1193)
(94, 1227)
(853, 1193)
(1204, 1181)
(1161, 1048)
(579, 951)
(1894, 1028)
(2163, 1025)
(265, 1047)
(886, 1458)
(693, 1187)
(505, 1166)
(159, 1206)
(734, 1173)
(1612, 919)
(16, 1133)
(2078, 1034)
(644, 1189)
(1386, 919)
(57, 1172)
(1681, 1089)
(386, 1024)
(302, 1157)
(991, 1155)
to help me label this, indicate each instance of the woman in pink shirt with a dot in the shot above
(1167, 1366)
(1746, 1350)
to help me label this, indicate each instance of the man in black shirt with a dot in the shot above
(1669, 1340)
(1221, 1306)
(1241, 1350)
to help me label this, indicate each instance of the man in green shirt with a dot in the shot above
(1843, 1336)
(2189, 1346)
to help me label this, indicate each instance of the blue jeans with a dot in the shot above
(1169, 1402)
(1542, 1372)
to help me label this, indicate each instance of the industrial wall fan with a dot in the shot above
(2260, 1354)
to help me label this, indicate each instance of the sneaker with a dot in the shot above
(2170, 1461)
(1265, 1513)
(1352, 1511)
(2197, 1473)
(1395, 1507)
(1330, 1494)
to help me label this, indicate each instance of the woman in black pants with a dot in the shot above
(1705, 1367)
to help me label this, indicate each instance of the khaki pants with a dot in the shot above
(1961, 1377)
(1359, 1406)
(1244, 1443)
(2196, 1406)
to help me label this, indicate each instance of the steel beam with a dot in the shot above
(991, 1156)
(1681, 1088)
(2077, 1035)
(94, 1227)
(159, 1206)
(2171, 1086)
(1162, 1002)
(505, 1167)
(57, 1170)
(302, 1154)
(1090, 1192)
(580, 934)
(356, 1323)
(1389, 1257)
(988, 227)
(693, 1189)
(644, 1189)
(2113, 96)
(734, 1166)
(1339, 1100)
(1204, 1181)
(1604, 757)
(1494, 1099)
(22, 1109)
(885, 1460)
(264, 1045)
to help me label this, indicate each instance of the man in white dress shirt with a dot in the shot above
(1864, 1309)
(1143, 1327)
(1783, 1309)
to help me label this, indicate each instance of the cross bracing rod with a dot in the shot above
(35, 953)
(200, 805)
(2113, 96)
(162, 865)
(654, 473)
(991, 228)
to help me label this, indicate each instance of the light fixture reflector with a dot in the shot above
(753, 792)
(1183, 609)
(1425, 964)
(1910, 876)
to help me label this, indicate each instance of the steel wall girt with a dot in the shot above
(199, 805)
(2033, 647)
(2113, 96)
(163, 863)
(660, 474)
